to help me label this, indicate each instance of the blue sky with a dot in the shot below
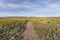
(38, 8)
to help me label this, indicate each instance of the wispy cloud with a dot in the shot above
(13, 5)
(30, 7)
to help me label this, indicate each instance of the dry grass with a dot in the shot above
(47, 28)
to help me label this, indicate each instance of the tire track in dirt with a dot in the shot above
(30, 33)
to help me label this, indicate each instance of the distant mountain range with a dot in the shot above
(26, 17)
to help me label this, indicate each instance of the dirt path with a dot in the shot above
(30, 33)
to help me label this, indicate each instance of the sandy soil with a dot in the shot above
(30, 33)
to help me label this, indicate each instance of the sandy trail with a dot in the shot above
(30, 33)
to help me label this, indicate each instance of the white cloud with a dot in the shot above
(53, 5)
(2, 4)
(17, 5)
(13, 5)
(41, 8)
